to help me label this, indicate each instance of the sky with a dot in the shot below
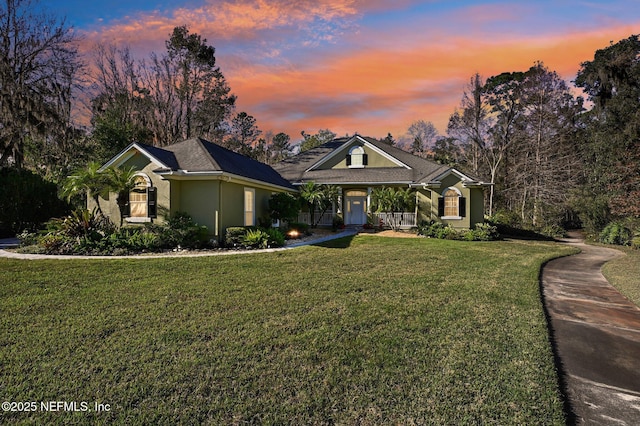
(360, 66)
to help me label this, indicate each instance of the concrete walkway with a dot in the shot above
(596, 332)
(14, 255)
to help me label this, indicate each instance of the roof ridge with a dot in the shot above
(201, 143)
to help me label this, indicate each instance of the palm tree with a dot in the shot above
(122, 182)
(319, 197)
(88, 181)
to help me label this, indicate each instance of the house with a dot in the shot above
(359, 164)
(217, 187)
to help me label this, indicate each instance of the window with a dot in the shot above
(142, 200)
(138, 198)
(249, 207)
(452, 205)
(357, 157)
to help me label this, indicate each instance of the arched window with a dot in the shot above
(452, 205)
(138, 197)
(142, 200)
(357, 158)
(451, 198)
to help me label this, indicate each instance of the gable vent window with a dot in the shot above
(356, 158)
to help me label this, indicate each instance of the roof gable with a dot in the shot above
(198, 157)
(357, 140)
(158, 156)
(408, 169)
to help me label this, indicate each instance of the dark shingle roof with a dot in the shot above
(420, 170)
(199, 155)
(165, 157)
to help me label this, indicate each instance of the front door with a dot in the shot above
(356, 210)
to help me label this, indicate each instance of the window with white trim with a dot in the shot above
(452, 205)
(249, 207)
(357, 158)
(142, 200)
(138, 198)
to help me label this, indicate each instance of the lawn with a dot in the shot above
(369, 330)
(624, 273)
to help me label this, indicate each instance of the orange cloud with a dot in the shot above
(373, 80)
(379, 90)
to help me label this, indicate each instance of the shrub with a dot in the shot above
(283, 206)
(182, 231)
(616, 233)
(27, 201)
(554, 231)
(276, 238)
(255, 238)
(481, 232)
(234, 236)
(338, 222)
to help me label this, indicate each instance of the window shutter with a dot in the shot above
(365, 159)
(152, 197)
(462, 207)
(127, 209)
(440, 206)
(348, 159)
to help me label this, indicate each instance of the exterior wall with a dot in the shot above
(374, 159)
(474, 205)
(200, 199)
(424, 203)
(141, 163)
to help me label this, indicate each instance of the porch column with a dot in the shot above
(369, 189)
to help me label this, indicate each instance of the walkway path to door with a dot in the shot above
(596, 332)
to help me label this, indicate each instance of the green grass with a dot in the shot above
(624, 273)
(365, 331)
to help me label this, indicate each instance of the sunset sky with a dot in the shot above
(370, 67)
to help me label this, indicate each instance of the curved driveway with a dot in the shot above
(596, 332)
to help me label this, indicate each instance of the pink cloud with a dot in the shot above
(371, 80)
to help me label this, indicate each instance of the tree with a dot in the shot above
(423, 134)
(244, 135)
(284, 206)
(446, 151)
(311, 141)
(88, 180)
(391, 200)
(611, 151)
(389, 140)
(121, 105)
(196, 75)
(319, 198)
(545, 162)
(469, 123)
(38, 67)
(280, 148)
(121, 181)
(185, 93)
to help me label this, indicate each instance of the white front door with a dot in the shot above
(356, 211)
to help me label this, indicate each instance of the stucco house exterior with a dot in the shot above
(217, 187)
(359, 164)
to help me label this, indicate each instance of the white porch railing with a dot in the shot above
(401, 220)
(325, 220)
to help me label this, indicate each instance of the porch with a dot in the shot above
(402, 220)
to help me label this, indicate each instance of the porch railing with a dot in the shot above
(401, 220)
(325, 220)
